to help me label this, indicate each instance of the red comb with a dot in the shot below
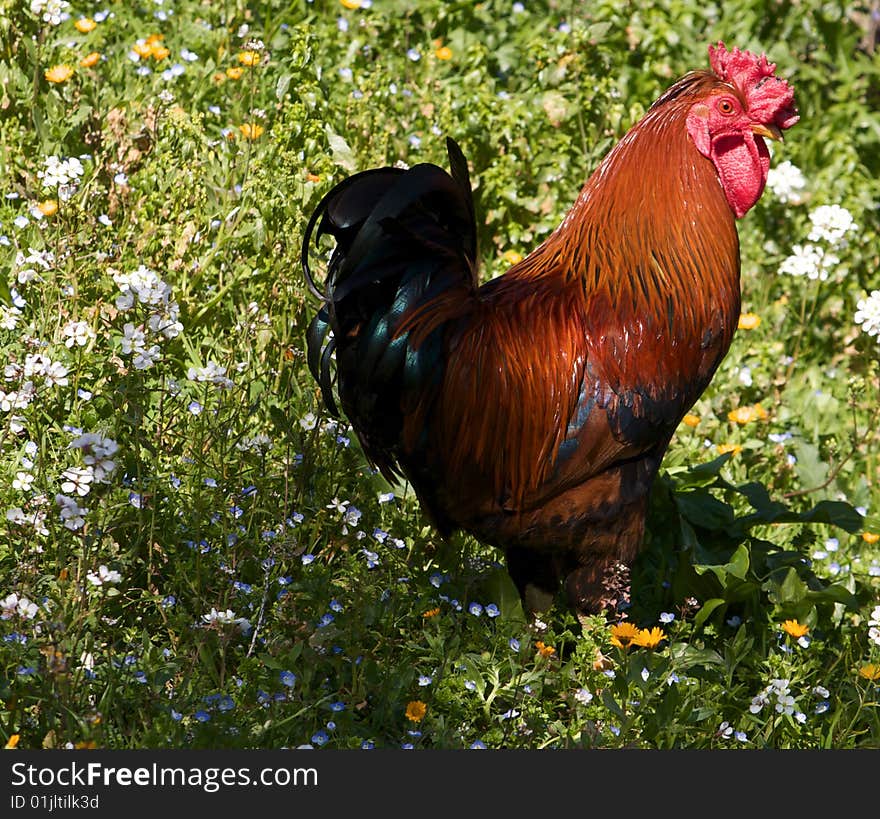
(769, 98)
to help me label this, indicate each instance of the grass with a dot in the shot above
(195, 554)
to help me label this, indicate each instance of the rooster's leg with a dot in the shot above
(535, 575)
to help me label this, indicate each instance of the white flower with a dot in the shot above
(9, 317)
(97, 453)
(77, 480)
(831, 223)
(22, 481)
(810, 261)
(52, 12)
(308, 421)
(786, 182)
(211, 373)
(133, 338)
(77, 333)
(103, 576)
(71, 513)
(13, 605)
(144, 359)
(56, 374)
(868, 314)
(226, 618)
(583, 696)
(61, 174)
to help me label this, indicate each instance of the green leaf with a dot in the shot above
(341, 151)
(707, 608)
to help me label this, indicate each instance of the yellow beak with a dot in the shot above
(770, 131)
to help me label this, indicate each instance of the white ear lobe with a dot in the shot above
(698, 128)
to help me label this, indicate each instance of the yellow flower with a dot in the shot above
(251, 130)
(871, 671)
(691, 420)
(649, 638)
(159, 52)
(85, 24)
(749, 321)
(794, 628)
(12, 742)
(443, 53)
(234, 72)
(351, 4)
(512, 257)
(870, 537)
(48, 207)
(431, 612)
(142, 49)
(544, 650)
(59, 73)
(416, 710)
(249, 57)
(745, 415)
(623, 634)
(723, 449)
(90, 59)
(89, 745)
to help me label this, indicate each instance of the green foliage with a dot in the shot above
(195, 555)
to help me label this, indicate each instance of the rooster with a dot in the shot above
(534, 411)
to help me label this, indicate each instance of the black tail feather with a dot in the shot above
(403, 238)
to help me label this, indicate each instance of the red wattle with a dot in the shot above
(742, 161)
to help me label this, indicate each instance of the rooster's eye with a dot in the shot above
(725, 106)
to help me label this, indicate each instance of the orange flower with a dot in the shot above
(795, 629)
(691, 420)
(12, 742)
(312, 177)
(870, 537)
(90, 60)
(159, 52)
(443, 53)
(249, 58)
(544, 650)
(58, 73)
(48, 207)
(745, 415)
(871, 671)
(142, 49)
(351, 4)
(725, 448)
(89, 745)
(749, 321)
(85, 24)
(649, 638)
(623, 634)
(431, 612)
(251, 130)
(234, 72)
(416, 710)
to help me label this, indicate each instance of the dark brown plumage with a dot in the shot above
(534, 411)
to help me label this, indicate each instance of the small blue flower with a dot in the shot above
(140, 676)
(407, 746)
(288, 678)
(513, 643)
(306, 559)
(368, 745)
(226, 704)
(437, 579)
(492, 610)
(337, 706)
(331, 726)
(666, 617)
(326, 620)
(321, 737)
(372, 558)
(470, 685)
(336, 606)
(176, 715)
(168, 601)
(425, 680)
(202, 716)
(414, 55)
(478, 745)
(476, 609)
